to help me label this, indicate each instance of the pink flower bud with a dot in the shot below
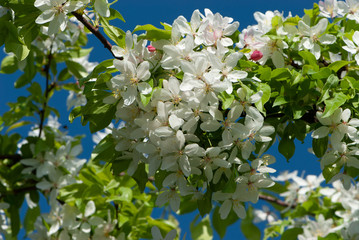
(256, 55)
(151, 48)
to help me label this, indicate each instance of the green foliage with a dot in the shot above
(201, 230)
(153, 33)
(291, 96)
(220, 225)
(250, 231)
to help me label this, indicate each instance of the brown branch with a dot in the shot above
(16, 157)
(276, 201)
(47, 90)
(95, 32)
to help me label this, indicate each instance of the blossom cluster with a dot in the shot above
(302, 189)
(190, 112)
(183, 129)
(53, 170)
(75, 224)
(342, 151)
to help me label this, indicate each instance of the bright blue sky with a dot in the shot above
(154, 12)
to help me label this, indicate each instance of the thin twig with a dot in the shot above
(47, 90)
(95, 32)
(276, 201)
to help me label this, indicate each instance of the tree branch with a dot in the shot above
(16, 157)
(95, 32)
(276, 201)
(47, 90)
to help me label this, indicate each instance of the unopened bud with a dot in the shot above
(256, 55)
(151, 48)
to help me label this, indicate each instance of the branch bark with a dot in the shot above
(276, 201)
(16, 157)
(47, 90)
(95, 32)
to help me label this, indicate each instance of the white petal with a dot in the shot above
(225, 208)
(90, 208)
(210, 126)
(146, 147)
(102, 8)
(175, 122)
(45, 17)
(321, 132)
(143, 72)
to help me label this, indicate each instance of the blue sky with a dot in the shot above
(154, 12)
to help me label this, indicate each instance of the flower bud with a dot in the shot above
(151, 48)
(256, 55)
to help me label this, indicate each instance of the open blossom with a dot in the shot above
(338, 125)
(232, 201)
(352, 46)
(216, 28)
(313, 36)
(314, 229)
(55, 11)
(350, 9)
(132, 79)
(328, 8)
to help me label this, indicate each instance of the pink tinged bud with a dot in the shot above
(151, 48)
(256, 55)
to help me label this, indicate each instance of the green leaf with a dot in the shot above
(30, 218)
(249, 230)
(190, 206)
(292, 233)
(335, 66)
(292, 20)
(227, 99)
(277, 188)
(76, 112)
(9, 64)
(14, 209)
(159, 177)
(205, 204)
(266, 89)
(76, 69)
(312, 13)
(329, 172)
(333, 104)
(331, 82)
(280, 100)
(115, 33)
(17, 125)
(219, 224)
(97, 113)
(281, 74)
(277, 20)
(309, 58)
(145, 99)
(330, 236)
(265, 73)
(323, 73)
(320, 146)
(15, 220)
(286, 147)
(29, 72)
(153, 33)
(201, 230)
(140, 176)
(112, 184)
(114, 14)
